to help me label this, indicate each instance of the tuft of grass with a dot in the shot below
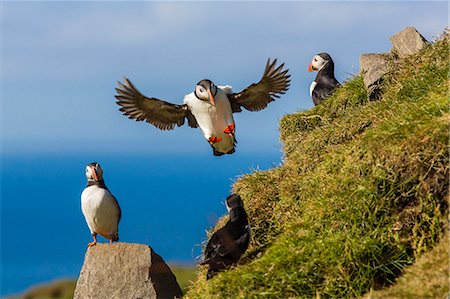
(362, 192)
(427, 278)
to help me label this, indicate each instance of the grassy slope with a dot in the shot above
(426, 278)
(362, 193)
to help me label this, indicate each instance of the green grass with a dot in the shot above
(184, 274)
(428, 277)
(59, 289)
(362, 192)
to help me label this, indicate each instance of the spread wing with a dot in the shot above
(275, 81)
(161, 114)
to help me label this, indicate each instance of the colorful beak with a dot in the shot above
(211, 98)
(94, 172)
(310, 67)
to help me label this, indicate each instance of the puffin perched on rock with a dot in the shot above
(325, 83)
(226, 246)
(209, 106)
(100, 208)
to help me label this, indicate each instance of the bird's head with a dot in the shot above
(234, 201)
(94, 172)
(318, 62)
(205, 90)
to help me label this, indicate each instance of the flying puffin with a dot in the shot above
(228, 244)
(209, 106)
(325, 83)
(100, 208)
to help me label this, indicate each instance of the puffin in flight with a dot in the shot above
(325, 83)
(209, 106)
(228, 244)
(100, 208)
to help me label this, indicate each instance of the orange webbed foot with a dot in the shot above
(229, 130)
(93, 243)
(214, 139)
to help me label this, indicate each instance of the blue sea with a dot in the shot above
(168, 201)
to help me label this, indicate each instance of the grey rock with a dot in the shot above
(407, 42)
(124, 270)
(373, 67)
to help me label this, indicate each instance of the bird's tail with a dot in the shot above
(115, 237)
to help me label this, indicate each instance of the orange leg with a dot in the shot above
(93, 242)
(110, 241)
(214, 139)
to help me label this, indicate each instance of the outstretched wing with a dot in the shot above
(161, 114)
(275, 81)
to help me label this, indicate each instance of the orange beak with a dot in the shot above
(310, 69)
(95, 174)
(211, 98)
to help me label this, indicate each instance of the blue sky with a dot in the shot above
(60, 62)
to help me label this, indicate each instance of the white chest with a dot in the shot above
(311, 88)
(212, 120)
(93, 197)
(100, 208)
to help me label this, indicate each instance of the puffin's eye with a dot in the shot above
(315, 59)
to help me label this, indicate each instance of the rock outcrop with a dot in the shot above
(374, 66)
(124, 270)
(407, 42)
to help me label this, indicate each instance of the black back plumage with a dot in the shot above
(227, 245)
(326, 82)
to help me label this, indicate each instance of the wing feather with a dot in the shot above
(161, 114)
(274, 82)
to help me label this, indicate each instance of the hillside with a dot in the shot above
(362, 192)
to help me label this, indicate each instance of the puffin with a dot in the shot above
(100, 208)
(325, 83)
(226, 246)
(209, 106)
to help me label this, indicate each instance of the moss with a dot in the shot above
(362, 192)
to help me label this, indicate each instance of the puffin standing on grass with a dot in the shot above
(100, 208)
(209, 107)
(325, 83)
(226, 246)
